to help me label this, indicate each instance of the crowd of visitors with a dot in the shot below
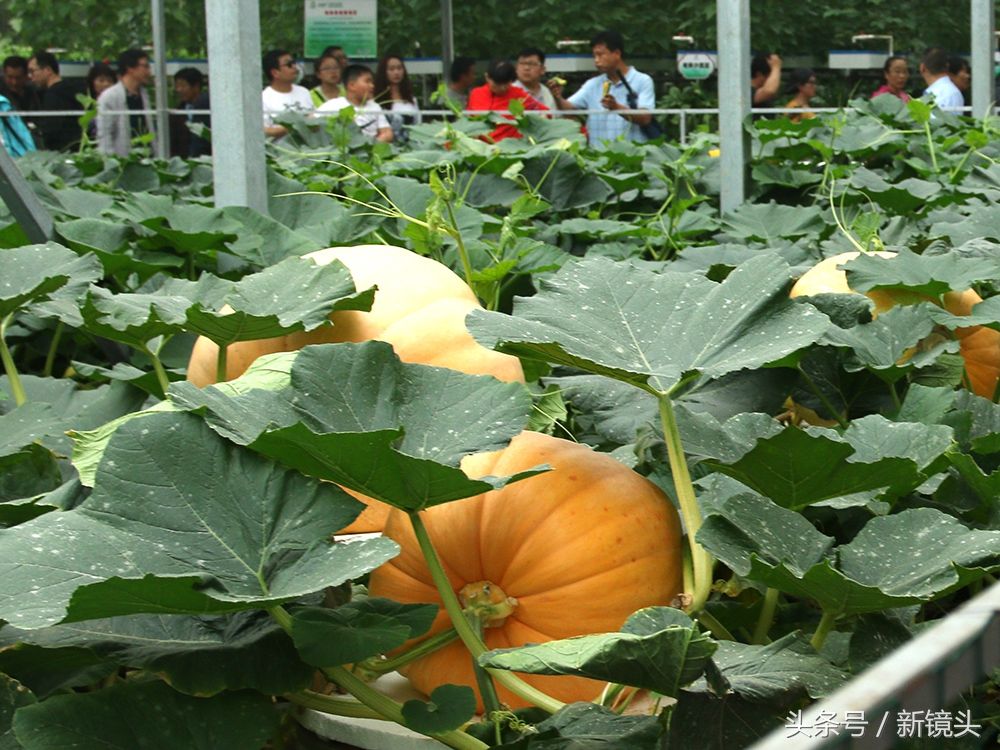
(616, 102)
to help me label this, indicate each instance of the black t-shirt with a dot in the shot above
(59, 133)
(137, 122)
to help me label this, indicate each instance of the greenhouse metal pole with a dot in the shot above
(28, 211)
(237, 114)
(983, 44)
(447, 38)
(733, 19)
(160, 77)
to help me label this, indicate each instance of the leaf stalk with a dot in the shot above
(469, 637)
(701, 560)
(16, 387)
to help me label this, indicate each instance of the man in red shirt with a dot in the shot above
(496, 94)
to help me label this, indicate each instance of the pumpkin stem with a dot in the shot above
(487, 602)
(469, 636)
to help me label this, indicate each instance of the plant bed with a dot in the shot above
(658, 467)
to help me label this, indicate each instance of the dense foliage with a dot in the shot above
(837, 479)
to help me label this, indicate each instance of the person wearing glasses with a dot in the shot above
(530, 69)
(120, 108)
(57, 95)
(282, 94)
(329, 72)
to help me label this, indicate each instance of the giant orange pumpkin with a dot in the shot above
(419, 308)
(577, 550)
(980, 346)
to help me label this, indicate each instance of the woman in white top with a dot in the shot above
(394, 91)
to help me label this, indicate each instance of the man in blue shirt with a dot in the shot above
(611, 91)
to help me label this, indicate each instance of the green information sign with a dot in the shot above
(352, 24)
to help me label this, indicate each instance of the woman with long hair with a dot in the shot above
(394, 91)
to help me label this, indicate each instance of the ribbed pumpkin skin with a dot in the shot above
(419, 308)
(581, 548)
(979, 346)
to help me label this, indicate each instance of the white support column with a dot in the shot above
(733, 18)
(27, 210)
(447, 38)
(234, 59)
(983, 45)
(160, 78)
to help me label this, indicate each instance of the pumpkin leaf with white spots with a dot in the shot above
(658, 648)
(906, 558)
(356, 415)
(218, 529)
(654, 329)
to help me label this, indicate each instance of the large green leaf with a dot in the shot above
(985, 313)
(892, 343)
(923, 274)
(180, 521)
(34, 272)
(585, 726)
(646, 328)
(147, 715)
(796, 468)
(658, 648)
(764, 673)
(56, 405)
(13, 696)
(196, 655)
(770, 222)
(746, 528)
(293, 295)
(193, 228)
(907, 558)
(357, 630)
(52, 670)
(264, 241)
(903, 196)
(356, 415)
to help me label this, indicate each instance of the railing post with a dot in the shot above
(983, 45)
(684, 129)
(447, 39)
(160, 77)
(733, 18)
(28, 211)
(237, 113)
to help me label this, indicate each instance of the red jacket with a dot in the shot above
(482, 99)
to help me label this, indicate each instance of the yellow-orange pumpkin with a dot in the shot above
(980, 347)
(419, 308)
(579, 548)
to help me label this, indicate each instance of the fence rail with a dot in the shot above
(682, 114)
(925, 674)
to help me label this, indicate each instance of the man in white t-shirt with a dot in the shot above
(934, 69)
(359, 90)
(530, 69)
(282, 94)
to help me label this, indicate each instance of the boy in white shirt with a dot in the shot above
(359, 88)
(282, 94)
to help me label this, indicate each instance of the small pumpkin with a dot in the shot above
(419, 308)
(573, 551)
(979, 346)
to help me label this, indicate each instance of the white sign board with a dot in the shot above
(351, 24)
(696, 66)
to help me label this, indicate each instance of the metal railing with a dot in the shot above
(682, 114)
(925, 674)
